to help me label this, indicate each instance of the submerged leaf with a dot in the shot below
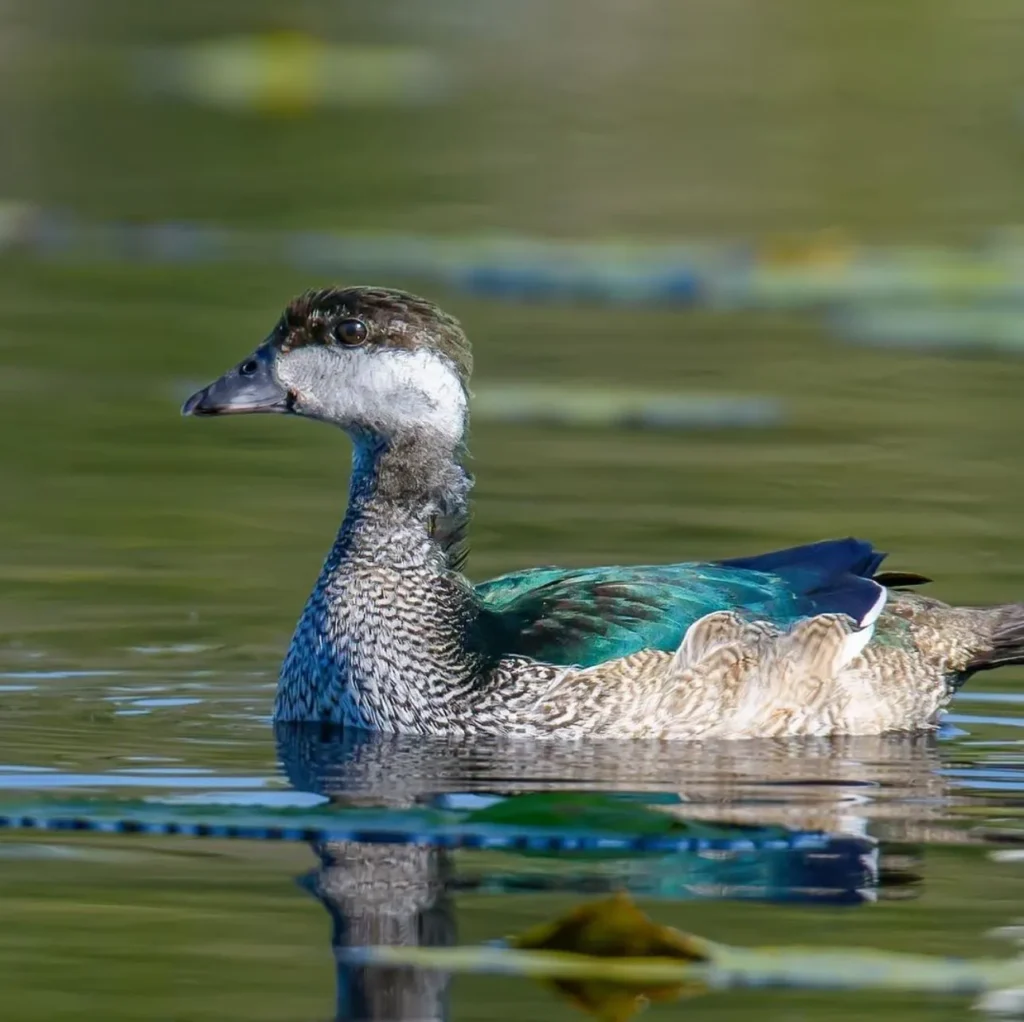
(615, 928)
(585, 810)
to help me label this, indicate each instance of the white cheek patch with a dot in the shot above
(387, 390)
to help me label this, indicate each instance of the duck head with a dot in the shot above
(370, 360)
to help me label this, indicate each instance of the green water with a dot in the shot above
(224, 934)
(151, 569)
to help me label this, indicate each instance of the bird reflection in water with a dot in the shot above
(403, 894)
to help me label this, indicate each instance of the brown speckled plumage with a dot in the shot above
(734, 678)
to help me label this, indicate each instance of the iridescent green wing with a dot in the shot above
(590, 615)
(587, 617)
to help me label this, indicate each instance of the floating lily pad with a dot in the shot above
(611, 959)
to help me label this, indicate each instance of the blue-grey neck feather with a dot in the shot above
(417, 480)
(386, 638)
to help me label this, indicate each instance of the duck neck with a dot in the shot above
(407, 498)
(386, 640)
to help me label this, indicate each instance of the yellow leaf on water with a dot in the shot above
(615, 928)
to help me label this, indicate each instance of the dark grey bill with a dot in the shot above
(250, 387)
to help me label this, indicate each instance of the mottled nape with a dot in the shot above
(393, 637)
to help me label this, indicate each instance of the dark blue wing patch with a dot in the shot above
(830, 556)
(835, 576)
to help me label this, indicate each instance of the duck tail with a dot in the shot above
(1005, 642)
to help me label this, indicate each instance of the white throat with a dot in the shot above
(389, 391)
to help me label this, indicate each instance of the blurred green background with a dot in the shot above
(738, 121)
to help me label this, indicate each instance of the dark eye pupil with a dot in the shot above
(351, 331)
(249, 367)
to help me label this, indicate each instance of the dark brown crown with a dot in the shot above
(394, 319)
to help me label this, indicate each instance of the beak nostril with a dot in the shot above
(247, 387)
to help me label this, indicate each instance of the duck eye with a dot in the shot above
(351, 332)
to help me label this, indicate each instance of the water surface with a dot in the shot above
(151, 570)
